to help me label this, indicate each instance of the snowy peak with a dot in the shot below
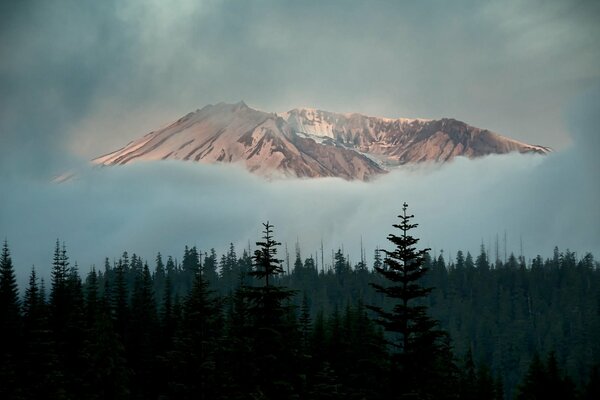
(311, 143)
(334, 125)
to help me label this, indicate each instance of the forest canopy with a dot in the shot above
(242, 325)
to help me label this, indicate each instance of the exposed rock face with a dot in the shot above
(311, 143)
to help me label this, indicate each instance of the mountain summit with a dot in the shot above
(312, 143)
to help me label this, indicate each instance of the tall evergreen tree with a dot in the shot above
(142, 334)
(120, 299)
(274, 358)
(305, 323)
(195, 360)
(10, 322)
(545, 381)
(209, 268)
(419, 364)
(9, 296)
(41, 376)
(106, 372)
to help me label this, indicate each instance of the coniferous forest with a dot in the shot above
(259, 325)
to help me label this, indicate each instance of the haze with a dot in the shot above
(78, 80)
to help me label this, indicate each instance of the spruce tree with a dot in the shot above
(305, 323)
(40, 375)
(419, 364)
(9, 296)
(120, 300)
(195, 359)
(10, 322)
(209, 269)
(142, 333)
(106, 372)
(274, 357)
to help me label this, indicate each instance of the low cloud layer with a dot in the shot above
(145, 208)
(79, 79)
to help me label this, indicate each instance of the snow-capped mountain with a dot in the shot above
(312, 143)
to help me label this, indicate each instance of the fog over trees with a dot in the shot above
(239, 325)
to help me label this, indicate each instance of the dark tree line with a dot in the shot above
(238, 327)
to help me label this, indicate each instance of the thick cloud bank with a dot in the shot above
(145, 208)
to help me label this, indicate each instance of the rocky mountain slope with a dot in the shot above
(312, 143)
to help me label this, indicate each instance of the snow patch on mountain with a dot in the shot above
(312, 143)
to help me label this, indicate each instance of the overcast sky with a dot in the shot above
(78, 79)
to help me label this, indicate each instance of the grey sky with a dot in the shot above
(78, 79)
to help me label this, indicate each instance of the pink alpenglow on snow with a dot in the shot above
(308, 143)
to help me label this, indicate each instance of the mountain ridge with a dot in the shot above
(309, 143)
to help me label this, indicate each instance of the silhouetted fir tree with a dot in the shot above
(318, 340)
(67, 321)
(10, 322)
(104, 280)
(168, 324)
(460, 261)
(559, 384)
(554, 303)
(377, 263)
(482, 262)
(43, 292)
(136, 266)
(126, 265)
(533, 386)
(142, 334)
(305, 323)
(107, 375)
(364, 354)
(59, 290)
(171, 269)
(9, 296)
(545, 381)
(485, 388)
(73, 342)
(168, 317)
(209, 268)
(419, 364)
(360, 267)
(476, 383)
(225, 275)
(512, 262)
(106, 298)
(244, 265)
(59, 308)
(238, 351)
(229, 270)
(120, 300)
(322, 381)
(159, 276)
(92, 297)
(190, 266)
(40, 376)
(340, 266)
(469, 264)
(32, 301)
(196, 362)
(335, 341)
(468, 379)
(273, 357)
(298, 266)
